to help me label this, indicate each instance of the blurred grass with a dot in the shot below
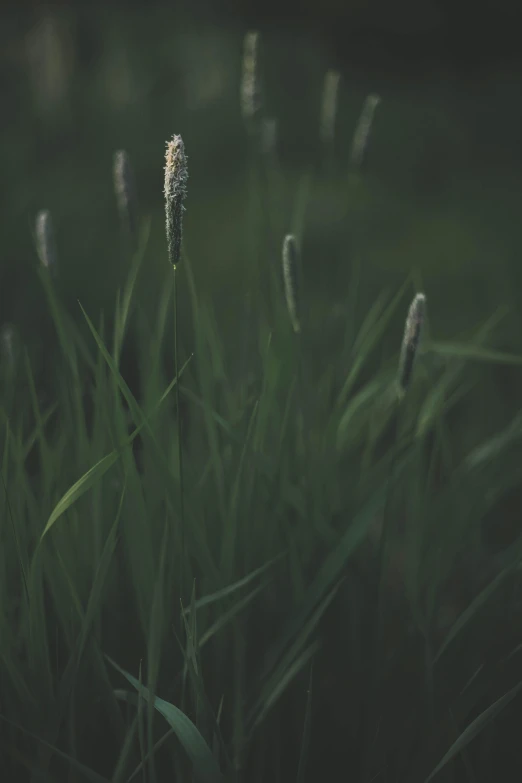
(292, 455)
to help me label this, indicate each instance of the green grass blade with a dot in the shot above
(284, 681)
(99, 469)
(205, 765)
(219, 595)
(473, 353)
(474, 729)
(292, 653)
(471, 611)
(79, 488)
(228, 615)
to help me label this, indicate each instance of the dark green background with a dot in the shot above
(442, 182)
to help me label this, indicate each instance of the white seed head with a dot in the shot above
(45, 243)
(411, 340)
(250, 82)
(291, 278)
(362, 130)
(176, 175)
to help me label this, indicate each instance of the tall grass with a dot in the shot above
(265, 499)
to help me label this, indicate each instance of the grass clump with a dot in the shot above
(288, 578)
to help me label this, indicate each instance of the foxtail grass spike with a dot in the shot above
(329, 106)
(290, 274)
(45, 243)
(176, 175)
(250, 82)
(125, 190)
(362, 131)
(411, 340)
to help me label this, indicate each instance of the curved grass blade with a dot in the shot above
(474, 729)
(206, 768)
(207, 600)
(474, 607)
(372, 330)
(281, 684)
(100, 468)
(79, 488)
(363, 397)
(227, 616)
(493, 446)
(272, 688)
(473, 353)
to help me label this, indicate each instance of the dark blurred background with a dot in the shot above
(441, 186)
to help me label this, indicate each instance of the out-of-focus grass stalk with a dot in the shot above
(68, 336)
(409, 348)
(126, 196)
(363, 130)
(176, 174)
(250, 95)
(328, 116)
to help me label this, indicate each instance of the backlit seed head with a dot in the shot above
(125, 190)
(411, 340)
(362, 131)
(176, 175)
(45, 243)
(250, 82)
(291, 279)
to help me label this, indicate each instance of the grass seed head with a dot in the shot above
(411, 340)
(250, 82)
(45, 243)
(290, 275)
(329, 106)
(362, 131)
(176, 175)
(125, 189)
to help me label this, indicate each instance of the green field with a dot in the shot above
(233, 550)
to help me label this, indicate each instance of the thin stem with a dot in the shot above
(375, 639)
(180, 449)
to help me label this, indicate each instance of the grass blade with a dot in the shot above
(205, 765)
(474, 729)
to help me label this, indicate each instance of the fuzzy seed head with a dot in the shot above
(125, 190)
(176, 175)
(45, 243)
(329, 106)
(362, 131)
(250, 82)
(290, 276)
(411, 340)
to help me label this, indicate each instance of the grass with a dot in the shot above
(247, 641)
